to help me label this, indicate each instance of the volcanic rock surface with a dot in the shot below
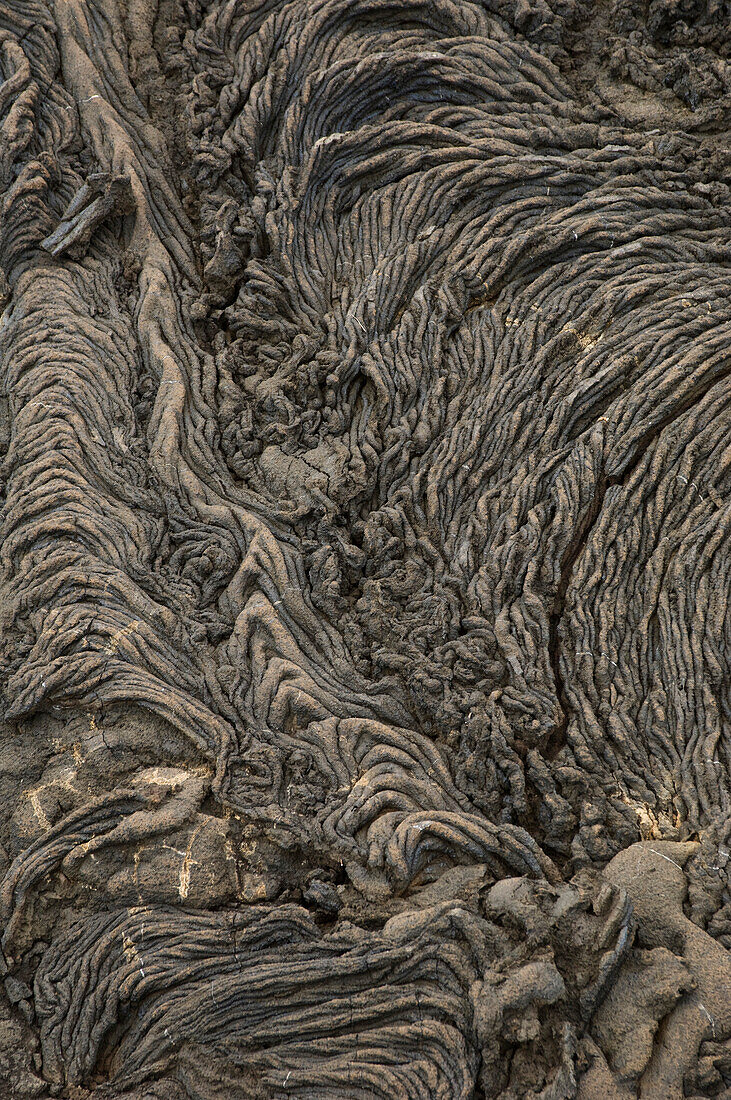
(365, 445)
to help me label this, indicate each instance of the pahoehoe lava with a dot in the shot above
(365, 451)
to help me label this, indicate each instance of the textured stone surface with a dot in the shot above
(364, 565)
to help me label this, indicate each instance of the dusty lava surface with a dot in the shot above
(365, 446)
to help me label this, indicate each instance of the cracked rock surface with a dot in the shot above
(365, 452)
